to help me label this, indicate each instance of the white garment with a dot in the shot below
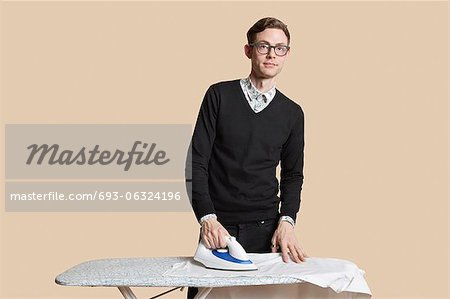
(337, 274)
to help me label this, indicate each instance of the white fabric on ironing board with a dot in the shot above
(339, 275)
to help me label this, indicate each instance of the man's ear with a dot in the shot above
(248, 51)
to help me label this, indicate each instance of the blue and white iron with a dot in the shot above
(234, 258)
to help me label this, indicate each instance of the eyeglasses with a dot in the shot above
(264, 48)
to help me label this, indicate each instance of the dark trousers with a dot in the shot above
(255, 237)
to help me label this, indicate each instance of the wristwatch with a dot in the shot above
(287, 219)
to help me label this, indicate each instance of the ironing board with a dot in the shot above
(125, 273)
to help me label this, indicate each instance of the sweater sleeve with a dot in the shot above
(292, 169)
(202, 143)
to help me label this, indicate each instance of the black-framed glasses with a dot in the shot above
(264, 48)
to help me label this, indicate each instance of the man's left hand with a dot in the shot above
(284, 238)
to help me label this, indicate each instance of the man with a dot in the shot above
(243, 130)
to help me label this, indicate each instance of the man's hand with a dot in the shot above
(213, 234)
(284, 238)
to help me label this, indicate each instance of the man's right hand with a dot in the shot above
(213, 234)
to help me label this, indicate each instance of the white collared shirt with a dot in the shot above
(256, 99)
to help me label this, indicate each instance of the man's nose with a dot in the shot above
(271, 52)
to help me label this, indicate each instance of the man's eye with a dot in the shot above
(281, 48)
(263, 47)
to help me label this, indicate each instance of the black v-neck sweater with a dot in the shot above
(235, 152)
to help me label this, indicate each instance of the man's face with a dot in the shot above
(268, 65)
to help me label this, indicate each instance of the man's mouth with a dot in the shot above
(270, 64)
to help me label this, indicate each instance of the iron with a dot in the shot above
(234, 258)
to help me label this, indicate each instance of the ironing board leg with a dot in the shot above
(127, 293)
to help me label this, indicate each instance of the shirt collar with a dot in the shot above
(253, 92)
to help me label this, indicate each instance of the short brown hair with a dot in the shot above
(263, 24)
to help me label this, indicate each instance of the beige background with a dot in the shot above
(372, 78)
